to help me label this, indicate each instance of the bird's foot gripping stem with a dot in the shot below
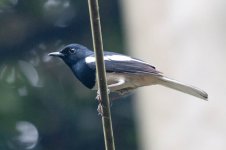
(98, 98)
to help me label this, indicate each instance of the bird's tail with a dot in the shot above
(183, 87)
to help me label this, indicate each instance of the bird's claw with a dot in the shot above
(98, 98)
(108, 91)
(100, 109)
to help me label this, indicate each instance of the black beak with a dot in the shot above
(56, 54)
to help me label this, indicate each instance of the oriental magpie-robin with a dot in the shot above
(124, 73)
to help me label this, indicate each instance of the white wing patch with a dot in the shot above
(117, 58)
(92, 59)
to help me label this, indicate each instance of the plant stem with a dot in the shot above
(101, 74)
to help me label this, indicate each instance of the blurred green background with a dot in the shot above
(42, 105)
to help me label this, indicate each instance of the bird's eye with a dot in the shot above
(72, 50)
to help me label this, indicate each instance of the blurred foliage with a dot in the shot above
(42, 105)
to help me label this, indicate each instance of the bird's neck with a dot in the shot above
(85, 74)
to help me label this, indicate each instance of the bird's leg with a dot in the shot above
(98, 98)
(99, 107)
(108, 91)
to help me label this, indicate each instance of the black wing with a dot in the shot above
(126, 65)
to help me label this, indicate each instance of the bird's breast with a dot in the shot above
(85, 74)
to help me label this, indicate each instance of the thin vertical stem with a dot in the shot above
(101, 74)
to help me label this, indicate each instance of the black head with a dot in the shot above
(72, 53)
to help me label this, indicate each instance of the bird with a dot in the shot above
(123, 73)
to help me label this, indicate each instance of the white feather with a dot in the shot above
(91, 59)
(188, 89)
